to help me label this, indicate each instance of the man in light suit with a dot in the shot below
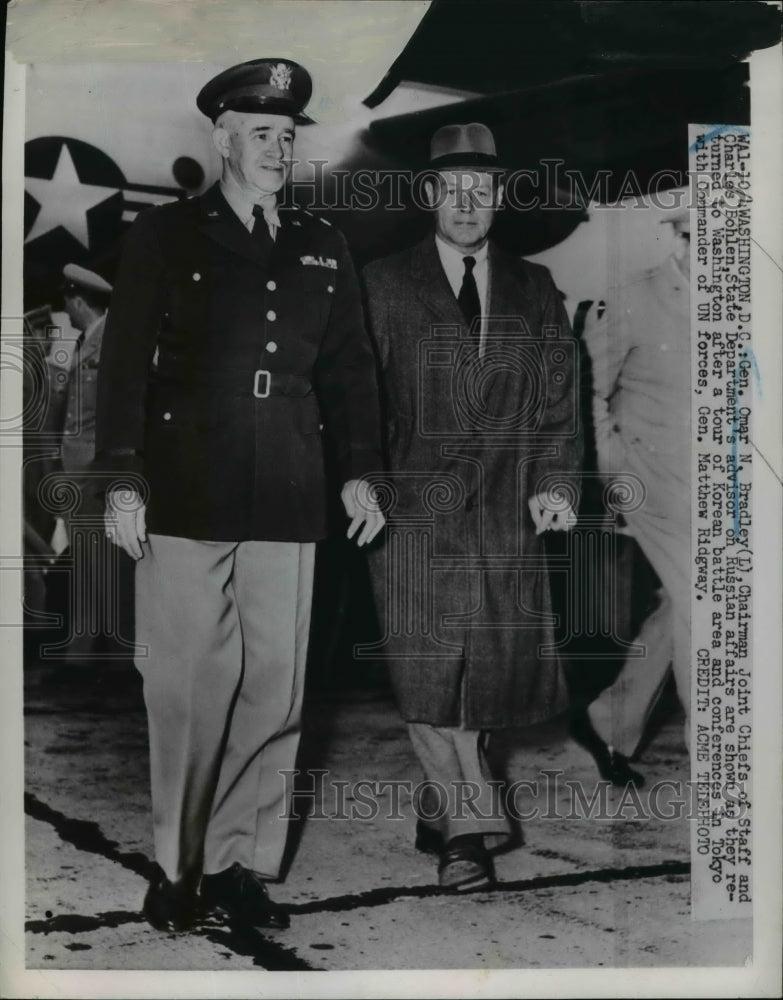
(478, 377)
(639, 345)
(253, 313)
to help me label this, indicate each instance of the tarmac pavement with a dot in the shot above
(578, 893)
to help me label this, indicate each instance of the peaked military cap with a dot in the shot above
(78, 277)
(265, 86)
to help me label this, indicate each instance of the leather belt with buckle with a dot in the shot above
(260, 383)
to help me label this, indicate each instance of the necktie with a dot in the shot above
(260, 227)
(469, 301)
(77, 351)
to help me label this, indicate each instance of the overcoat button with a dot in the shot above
(196, 276)
(167, 416)
(271, 285)
(271, 347)
(271, 315)
(330, 288)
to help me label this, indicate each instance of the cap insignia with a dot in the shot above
(280, 76)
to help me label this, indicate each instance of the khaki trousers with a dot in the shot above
(619, 714)
(457, 797)
(225, 626)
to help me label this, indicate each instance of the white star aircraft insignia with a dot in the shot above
(65, 200)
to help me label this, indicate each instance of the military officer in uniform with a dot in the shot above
(639, 347)
(86, 297)
(252, 312)
(102, 580)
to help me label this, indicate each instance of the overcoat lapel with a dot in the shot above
(432, 285)
(509, 296)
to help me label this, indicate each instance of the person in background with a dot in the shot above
(639, 345)
(100, 586)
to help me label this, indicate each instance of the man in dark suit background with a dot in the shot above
(478, 376)
(252, 313)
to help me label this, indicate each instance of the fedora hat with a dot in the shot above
(464, 146)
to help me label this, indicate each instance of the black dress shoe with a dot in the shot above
(169, 906)
(428, 840)
(242, 895)
(465, 864)
(612, 766)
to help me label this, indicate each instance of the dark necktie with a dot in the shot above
(260, 228)
(469, 301)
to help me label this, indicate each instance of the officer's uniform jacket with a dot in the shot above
(77, 450)
(224, 359)
(640, 354)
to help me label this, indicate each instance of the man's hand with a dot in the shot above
(361, 505)
(126, 521)
(60, 540)
(551, 510)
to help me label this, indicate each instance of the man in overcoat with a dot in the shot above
(478, 382)
(235, 337)
(639, 348)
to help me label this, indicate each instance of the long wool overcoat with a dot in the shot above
(461, 583)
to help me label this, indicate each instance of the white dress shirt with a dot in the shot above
(243, 207)
(453, 263)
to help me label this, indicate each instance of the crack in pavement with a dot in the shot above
(249, 943)
(388, 894)
(87, 836)
(77, 923)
